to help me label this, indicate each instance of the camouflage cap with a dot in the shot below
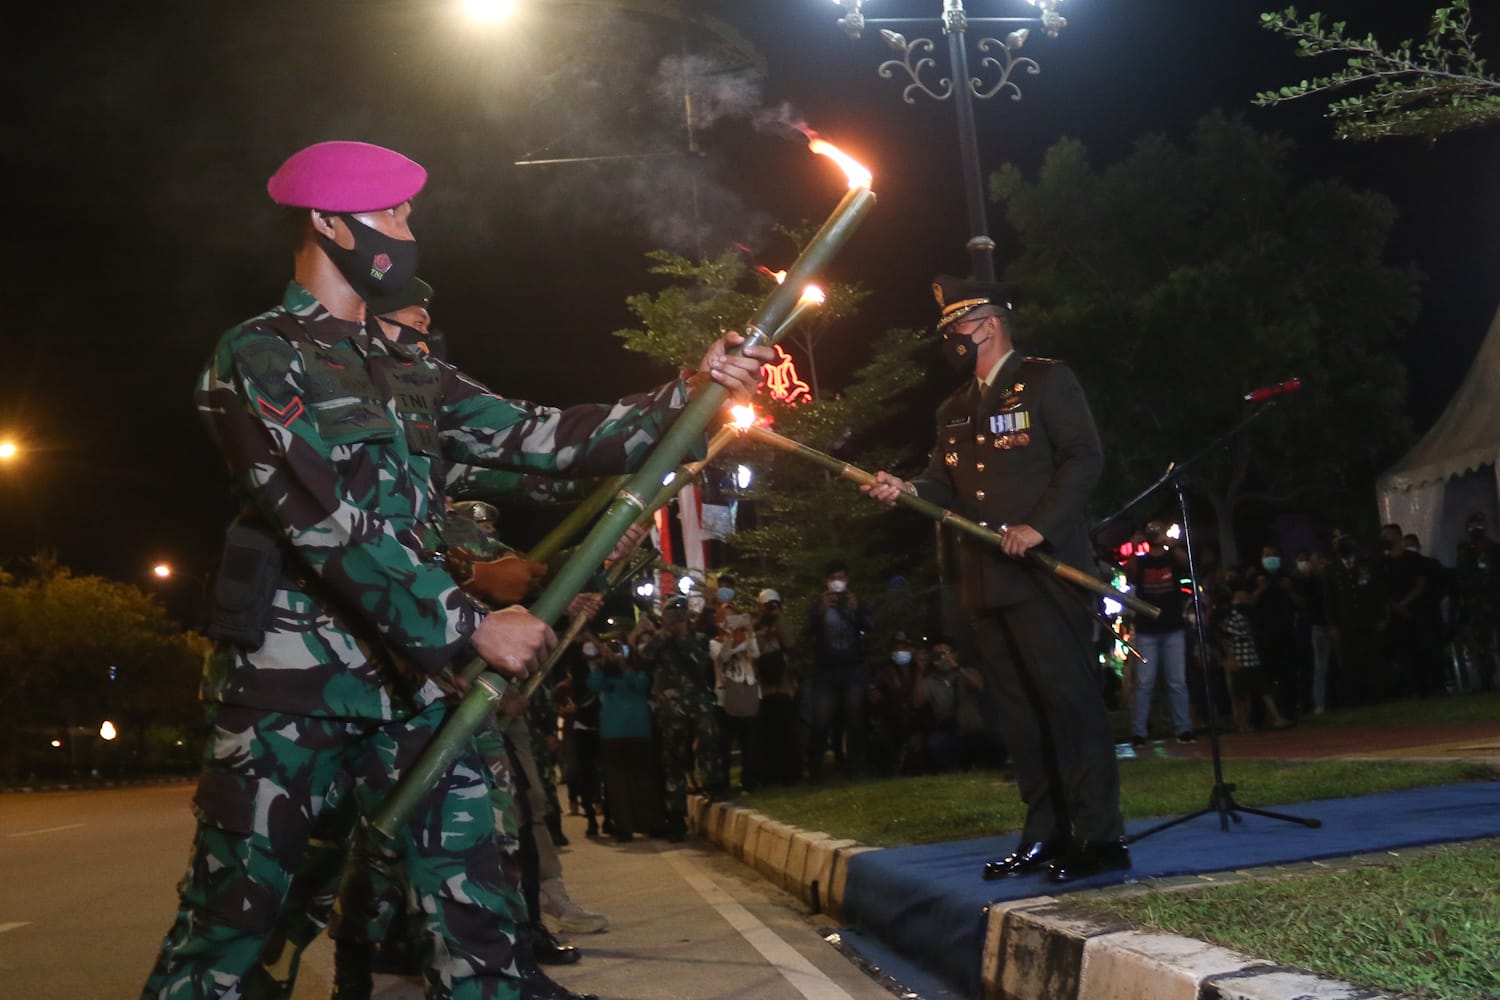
(476, 509)
(415, 292)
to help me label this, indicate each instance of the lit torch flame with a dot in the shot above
(744, 417)
(859, 177)
(812, 295)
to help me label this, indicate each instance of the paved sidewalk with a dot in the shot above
(686, 921)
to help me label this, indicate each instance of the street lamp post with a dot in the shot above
(999, 62)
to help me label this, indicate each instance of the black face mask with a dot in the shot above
(377, 265)
(960, 353)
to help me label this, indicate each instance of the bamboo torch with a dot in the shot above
(627, 565)
(569, 526)
(974, 529)
(686, 430)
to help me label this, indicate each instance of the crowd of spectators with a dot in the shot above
(1368, 621)
(720, 690)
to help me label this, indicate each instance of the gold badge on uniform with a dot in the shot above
(951, 458)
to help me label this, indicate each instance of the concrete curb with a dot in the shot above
(1034, 949)
(99, 785)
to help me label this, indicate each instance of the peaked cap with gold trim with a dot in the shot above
(957, 297)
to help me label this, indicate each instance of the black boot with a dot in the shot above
(535, 985)
(547, 949)
(554, 827)
(352, 975)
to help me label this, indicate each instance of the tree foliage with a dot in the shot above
(1180, 278)
(803, 517)
(1415, 88)
(75, 650)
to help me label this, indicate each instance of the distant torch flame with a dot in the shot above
(744, 417)
(858, 176)
(813, 295)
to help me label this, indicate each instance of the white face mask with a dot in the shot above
(838, 586)
(590, 650)
(901, 657)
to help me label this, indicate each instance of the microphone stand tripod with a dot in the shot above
(1221, 798)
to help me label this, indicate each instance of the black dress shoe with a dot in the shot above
(1090, 857)
(1029, 856)
(547, 949)
(535, 985)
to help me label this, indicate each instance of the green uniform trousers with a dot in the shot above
(268, 780)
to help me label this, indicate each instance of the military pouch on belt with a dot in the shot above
(245, 587)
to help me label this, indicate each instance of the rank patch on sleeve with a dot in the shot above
(283, 415)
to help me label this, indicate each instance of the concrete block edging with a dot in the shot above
(1034, 949)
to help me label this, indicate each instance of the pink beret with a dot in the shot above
(346, 177)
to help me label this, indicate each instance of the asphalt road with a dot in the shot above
(87, 889)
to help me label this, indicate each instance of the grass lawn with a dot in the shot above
(1425, 923)
(896, 811)
(1480, 707)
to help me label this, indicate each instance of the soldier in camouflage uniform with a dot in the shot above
(330, 625)
(682, 689)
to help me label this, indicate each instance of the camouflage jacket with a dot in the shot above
(340, 442)
(472, 482)
(682, 671)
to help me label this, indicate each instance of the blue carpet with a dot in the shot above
(928, 903)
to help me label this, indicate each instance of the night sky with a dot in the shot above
(140, 137)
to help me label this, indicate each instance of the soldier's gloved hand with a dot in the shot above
(587, 605)
(886, 488)
(512, 641)
(628, 541)
(504, 581)
(738, 373)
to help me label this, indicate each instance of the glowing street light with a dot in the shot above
(8, 450)
(162, 571)
(490, 10)
(107, 731)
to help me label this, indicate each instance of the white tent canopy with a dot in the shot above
(1452, 470)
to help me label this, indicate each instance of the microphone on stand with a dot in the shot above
(1271, 391)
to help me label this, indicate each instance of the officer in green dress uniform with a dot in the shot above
(1017, 449)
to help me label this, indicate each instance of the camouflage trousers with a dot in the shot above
(372, 893)
(272, 785)
(689, 733)
(542, 723)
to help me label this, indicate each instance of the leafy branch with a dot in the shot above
(1422, 88)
